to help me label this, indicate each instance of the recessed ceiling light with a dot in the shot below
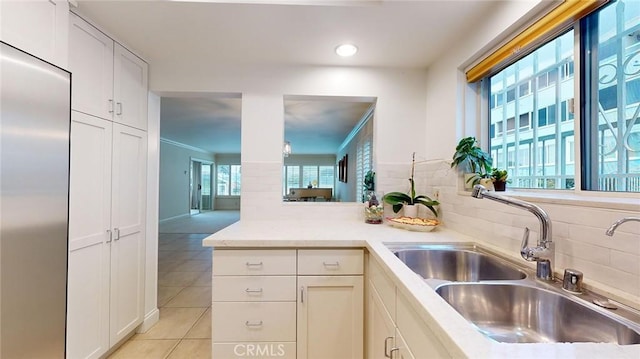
(346, 50)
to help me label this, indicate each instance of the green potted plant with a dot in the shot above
(500, 179)
(369, 184)
(398, 200)
(470, 159)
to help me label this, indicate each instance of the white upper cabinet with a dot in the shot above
(109, 81)
(38, 27)
(91, 64)
(130, 88)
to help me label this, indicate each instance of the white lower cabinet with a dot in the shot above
(107, 197)
(263, 307)
(401, 349)
(394, 329)
(330, 317)
(254, 303)
(381, 331)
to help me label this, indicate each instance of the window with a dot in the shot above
(228, 180)
(537, 116)
(363, 165)
(292, 178)
(525, 88)
(611, 48)
(511, 95)
(609, 43)
(310, 176)
(300, 176)
(524, 120)
(206, 179)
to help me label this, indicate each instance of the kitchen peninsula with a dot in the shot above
(425, 326)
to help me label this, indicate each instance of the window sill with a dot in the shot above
(617, 201)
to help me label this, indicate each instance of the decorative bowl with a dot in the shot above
(414, 224)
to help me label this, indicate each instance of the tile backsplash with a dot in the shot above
(578, 232)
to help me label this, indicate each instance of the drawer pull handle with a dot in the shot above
(386, 347)
(255, 324)
(331, 264)
(249, 290)
(249, 264)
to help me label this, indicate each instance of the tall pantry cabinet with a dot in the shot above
(107, 191)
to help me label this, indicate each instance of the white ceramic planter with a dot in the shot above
(410, 210)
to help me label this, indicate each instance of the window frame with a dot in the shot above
(481, 93)
(229, 195)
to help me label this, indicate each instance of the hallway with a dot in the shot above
(184, 292)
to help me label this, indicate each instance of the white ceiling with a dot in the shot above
(319, 125)
(210, 123)
(393, 33)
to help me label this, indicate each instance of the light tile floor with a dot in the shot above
(184, 300)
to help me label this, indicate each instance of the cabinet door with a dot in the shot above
(39, 27)
(380, 327)
(89, 237)
(417, 334)
(91, 66)
(402, 350)
(330, 317)
(130, 88)
(128, 221)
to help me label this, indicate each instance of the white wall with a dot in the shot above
(400, 107)
(151, 313)
(578, 224)
(174, 179)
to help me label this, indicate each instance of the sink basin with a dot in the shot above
(457, 265)
(512, 313)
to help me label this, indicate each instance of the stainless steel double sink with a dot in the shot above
(505, 303)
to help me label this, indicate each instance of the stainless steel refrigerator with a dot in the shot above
(35, 114)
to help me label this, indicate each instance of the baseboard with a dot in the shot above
(174, 217)
(149, 321)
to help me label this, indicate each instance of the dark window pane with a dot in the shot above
(542, 117)
(551, 115)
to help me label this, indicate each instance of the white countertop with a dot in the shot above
(460, 338)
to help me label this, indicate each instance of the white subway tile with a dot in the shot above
(625, 262)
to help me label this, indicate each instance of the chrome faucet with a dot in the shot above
(544, 251)
(615, 224)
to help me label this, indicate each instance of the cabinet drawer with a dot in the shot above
(254, 262)
(330, 261)
(280, 350)
(254, 288)
(253, 321)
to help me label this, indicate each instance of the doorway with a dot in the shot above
(200, 186)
